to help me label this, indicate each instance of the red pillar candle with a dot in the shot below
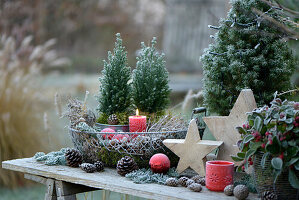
(137, 123)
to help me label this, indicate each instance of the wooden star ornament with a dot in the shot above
(191, 150)
(224, 127)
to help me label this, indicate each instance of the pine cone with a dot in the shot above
(112, 119)
(268, 195)
(126, 165)
(173, 182)
(87, 167)
(229, 190)
(99, 166)
(183, 180)
(196, 178)
(195, 187)
(189, 182)
(201, 181)
(73, 157)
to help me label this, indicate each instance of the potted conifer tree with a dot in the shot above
(150, 81)
(115, 90)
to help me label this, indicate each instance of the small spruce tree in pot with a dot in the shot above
(115, 89)
(150, 80)
(248, 52)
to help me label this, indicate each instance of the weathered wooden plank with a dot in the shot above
(38, 179)
(110, 180)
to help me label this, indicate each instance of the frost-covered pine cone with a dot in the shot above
(99, 166)
(189, 182)
(183, 180)
(87, 167)
(196, 178)
(112, 119)
(229, 190)
(173, 182)
(73, 157)
(195, 187)
(126, 165)
(201, 181)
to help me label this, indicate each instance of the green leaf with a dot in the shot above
(293, 179)
(289, 120)
(273, 148)
(237, 159)
(276, 163)
(292, 161)
(241, 154)
(296, 165)
(289, 127)
(264, 158)
(239, 169)
(292, 151)
(251, 122)
(255, 145)
(292, 143)
(249, 153)
(248, 138)
(257, 123)
(241, 130)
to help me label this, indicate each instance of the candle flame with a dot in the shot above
(137, 112)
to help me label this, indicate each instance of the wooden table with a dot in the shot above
(63, 183)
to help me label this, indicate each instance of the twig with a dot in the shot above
(279, 25)
(290, 91)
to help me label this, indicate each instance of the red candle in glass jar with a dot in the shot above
(137, 123)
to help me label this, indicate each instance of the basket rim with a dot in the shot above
(129, 133)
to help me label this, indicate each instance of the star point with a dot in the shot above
(223, 128)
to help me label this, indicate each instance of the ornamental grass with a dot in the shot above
(22, 106)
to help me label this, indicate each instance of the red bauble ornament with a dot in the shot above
(159, 163)
(108, 130)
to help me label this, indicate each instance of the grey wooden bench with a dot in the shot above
(63, 183)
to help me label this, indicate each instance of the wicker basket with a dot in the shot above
(110, 147)
(264, 180)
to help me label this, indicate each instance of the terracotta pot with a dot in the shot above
(219, 174)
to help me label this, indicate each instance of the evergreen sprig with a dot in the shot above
(150, 80)
(252, 56)
(115, 89)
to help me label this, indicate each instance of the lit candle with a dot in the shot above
(137, 123)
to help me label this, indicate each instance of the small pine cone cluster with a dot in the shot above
(73, 157)
(183, 181)
(126, 165)
(173, 182)
(268, 195)
(195, 187)
(229, 190)
(112, 119)
(88, 167)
